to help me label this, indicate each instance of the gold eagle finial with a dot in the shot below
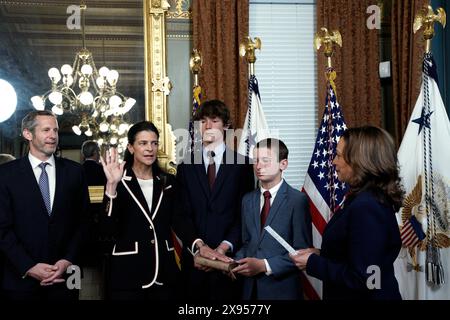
(195, 62)
(426, 18)
(327, 39)
(248, 47)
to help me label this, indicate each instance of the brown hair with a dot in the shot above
(212, 109)
(279, 146)
(29, 122)
(370, 152)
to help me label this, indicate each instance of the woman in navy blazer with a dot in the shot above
(362, 239)
(141, 209)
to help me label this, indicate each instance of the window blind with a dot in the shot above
(286, 72)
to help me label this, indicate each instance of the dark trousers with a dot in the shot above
(155, 292)
(57, 291)
(212, 286)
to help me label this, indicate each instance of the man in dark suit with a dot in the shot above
(43, 215)
(213, 180)
(91, 164)
(270, 273)
(98, 247)
(4, 158)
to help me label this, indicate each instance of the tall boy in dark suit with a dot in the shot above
(213, 181)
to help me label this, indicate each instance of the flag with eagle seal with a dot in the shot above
(423, 265)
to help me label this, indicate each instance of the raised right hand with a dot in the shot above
(111, 166)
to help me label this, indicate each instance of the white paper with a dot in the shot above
(280, 240)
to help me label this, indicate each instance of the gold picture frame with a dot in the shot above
(157, 81)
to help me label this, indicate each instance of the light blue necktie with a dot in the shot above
(43, 185)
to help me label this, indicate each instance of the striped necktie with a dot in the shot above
(44, 186)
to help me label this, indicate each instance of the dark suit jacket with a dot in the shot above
(143, 253)
(362, 234)
(289, 217)
(28, 235)
(94, 173)
(98, 245)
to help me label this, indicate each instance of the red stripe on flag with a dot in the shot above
(408, 235)
(316, 217)
(308, 289)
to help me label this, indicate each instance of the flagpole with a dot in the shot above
(195, 64)
(322, 186)
(326, 39)
(247, 50)
(434, 271)
(255, 126)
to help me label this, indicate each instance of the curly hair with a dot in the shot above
(371, 153)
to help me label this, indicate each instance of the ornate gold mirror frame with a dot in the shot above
(157, 82)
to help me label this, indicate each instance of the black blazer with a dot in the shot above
(216, 213)
(364, 233)
(28, 235)
(143, 253)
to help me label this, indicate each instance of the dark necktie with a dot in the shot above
(211, 168)
(266, 208)
(44, 186)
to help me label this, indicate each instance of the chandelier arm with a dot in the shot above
(82, 9)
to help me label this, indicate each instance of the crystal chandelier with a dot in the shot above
(98, 105)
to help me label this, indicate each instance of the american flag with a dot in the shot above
(322, 186)
(412, 232)
(178, 246)
(195, 139)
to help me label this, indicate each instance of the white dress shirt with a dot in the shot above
(273, 192)
(51, 172)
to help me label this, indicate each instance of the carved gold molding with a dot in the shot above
(157, 83)
(179, 13)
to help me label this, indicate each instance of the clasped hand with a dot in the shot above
(48, 274)
(250, 266)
